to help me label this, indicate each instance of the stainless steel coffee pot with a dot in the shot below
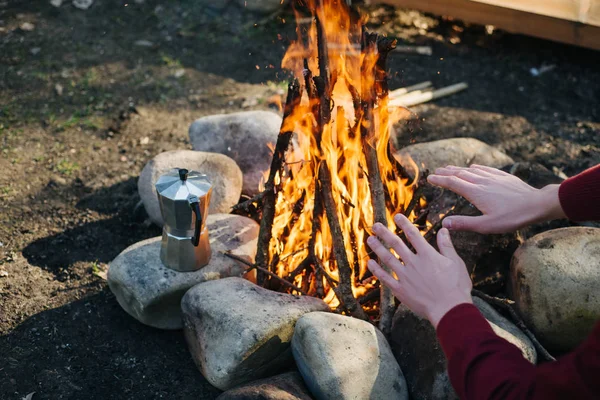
(184, 197)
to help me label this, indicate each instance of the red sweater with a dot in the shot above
(482, 365)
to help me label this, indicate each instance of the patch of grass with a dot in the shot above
(8, 134)
(76, 119)
(170, 62)
(98, 270)
(91, 123)
(6, 191)
(90, 78)
(66, 167)
(71, 122)
(7, 113)
(277, 85)
(42, 76)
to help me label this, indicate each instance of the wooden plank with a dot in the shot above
(562, 9)
(511, 20)
(593, 13)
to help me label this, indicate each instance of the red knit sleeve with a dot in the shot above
(580, 196)
(482, 365)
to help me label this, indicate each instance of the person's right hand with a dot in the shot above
(507, 203)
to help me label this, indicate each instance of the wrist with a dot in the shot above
(548, 204)
(436, 314)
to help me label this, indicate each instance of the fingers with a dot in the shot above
(475, 171)
(383, 276)
(493, 171)
(393, 241)
(445, 245)
(454, 183)
(473, 176)
(386, 257)
(462, 223)
(412, 233)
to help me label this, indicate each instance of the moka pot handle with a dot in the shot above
(195, 206)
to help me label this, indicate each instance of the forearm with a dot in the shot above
(481, 365)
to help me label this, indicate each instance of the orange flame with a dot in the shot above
(341, 147)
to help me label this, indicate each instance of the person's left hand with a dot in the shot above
(429, 283)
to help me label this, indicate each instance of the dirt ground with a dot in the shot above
(88, 97)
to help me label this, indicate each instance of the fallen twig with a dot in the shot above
(264, 271)
(245, 205)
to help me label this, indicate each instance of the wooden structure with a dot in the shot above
(575, 22)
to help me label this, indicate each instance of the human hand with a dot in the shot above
(429, 283)
(507, 203)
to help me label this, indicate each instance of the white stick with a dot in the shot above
(408, 101)
(423, 50)
(402, 91)
(410, 96)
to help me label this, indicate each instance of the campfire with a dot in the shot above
(333, 175)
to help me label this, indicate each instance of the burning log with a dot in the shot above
(268, 203)
(380, 90)
(320, 201)
(339, 249)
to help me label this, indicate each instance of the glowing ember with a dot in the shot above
(341, 118)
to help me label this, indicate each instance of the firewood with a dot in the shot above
(414, 95)
(417, 194)
(422, 50)
(402, 91)
(387, 303)
(428, 96)
(264, 271)
(245, 205)
(339, 249)
(268, 205)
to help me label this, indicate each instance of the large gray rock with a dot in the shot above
(417, 350)
(555, 282)
(460, 152)
(223, 172)
(151, 292)
(288, 386)
(346, 358)
(243, 136)
(238, 332)
(419, 354)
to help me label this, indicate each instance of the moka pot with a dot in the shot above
(184, 197)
